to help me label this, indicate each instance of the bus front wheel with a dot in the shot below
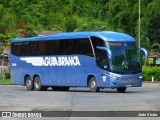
(121, 90)
(93, 85)
(29, 83)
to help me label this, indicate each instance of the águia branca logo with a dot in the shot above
(53, 61)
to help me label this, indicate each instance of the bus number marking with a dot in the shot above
(13, 64)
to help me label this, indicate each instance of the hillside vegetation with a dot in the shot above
(21, 18)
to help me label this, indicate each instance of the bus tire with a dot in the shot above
(121, 89)
(93, 85)
(37, 84)
(29, 83)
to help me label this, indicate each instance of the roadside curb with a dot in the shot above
(8, 84)
(151, 82)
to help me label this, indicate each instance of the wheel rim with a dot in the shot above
(29, 82)
(93, 84)
(37, 84)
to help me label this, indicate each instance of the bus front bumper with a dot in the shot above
(126, 83)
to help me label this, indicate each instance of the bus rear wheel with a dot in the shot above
(29, 83)
(37, 84)
(121, 90)
(93, 85)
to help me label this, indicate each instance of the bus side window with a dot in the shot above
(84, 47)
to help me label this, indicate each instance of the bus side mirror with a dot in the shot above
(145, 52)
(107, 50)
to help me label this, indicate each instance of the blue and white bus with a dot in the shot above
(77, 59)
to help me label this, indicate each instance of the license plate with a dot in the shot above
(128, 85)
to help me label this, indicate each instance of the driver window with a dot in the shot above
(102, 59)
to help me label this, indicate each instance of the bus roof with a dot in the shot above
(105, 35)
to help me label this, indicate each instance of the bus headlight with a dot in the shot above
(140, 77)
(114, 77)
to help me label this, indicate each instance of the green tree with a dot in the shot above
(150, 21)
(84, 15)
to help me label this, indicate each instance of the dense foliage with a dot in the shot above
(149, 72)
(20, 18)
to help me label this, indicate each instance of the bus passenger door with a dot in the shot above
(102, 61)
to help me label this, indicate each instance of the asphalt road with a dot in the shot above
(145, 98)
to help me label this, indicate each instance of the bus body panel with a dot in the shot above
(54, 75)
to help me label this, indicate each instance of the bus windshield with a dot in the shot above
(125, 58)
